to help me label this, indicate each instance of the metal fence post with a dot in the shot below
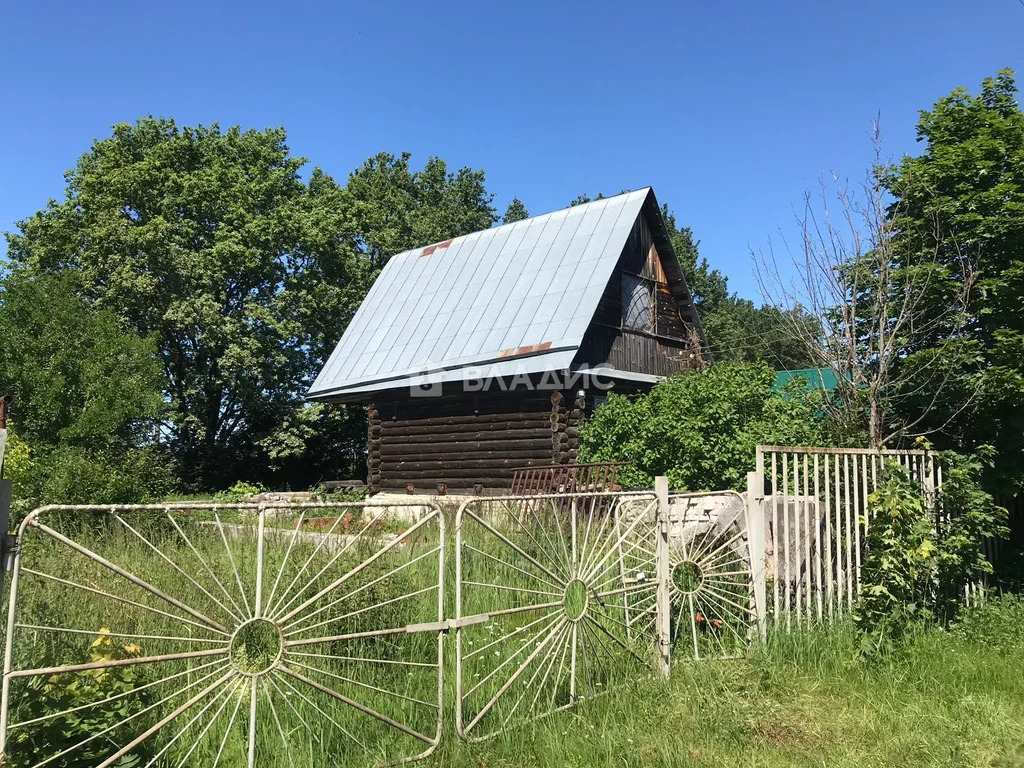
(664, 598)
(8, 543)
(756, 545)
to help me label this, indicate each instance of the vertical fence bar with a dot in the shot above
(817, 540)
(874, 486)
(864, 503)
(849, 532)
(807, 541)
(796, 577)
(664, 595)
(260, 534)
(775, 540)
(786, 581)
(829, 573)
(856, 521)
(755, 543)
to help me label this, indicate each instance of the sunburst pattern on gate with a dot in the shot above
(711, 582)
(556, 601)
(304, 635)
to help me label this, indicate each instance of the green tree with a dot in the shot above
(516, 211)
(701, 428)
(745, 332)
(209, 242)
(397, 208)
(961, 202)
(88, 403)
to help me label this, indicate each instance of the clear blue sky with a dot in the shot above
(729, 110)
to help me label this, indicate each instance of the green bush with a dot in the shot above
(920, 557)
(64, 692)
(237, 492)
(998, 623)
(78, 475)
(701, 428)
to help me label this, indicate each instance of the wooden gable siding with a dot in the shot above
(468, 442)
(667, 348)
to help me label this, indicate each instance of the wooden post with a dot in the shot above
(756, 544)
(664, 569)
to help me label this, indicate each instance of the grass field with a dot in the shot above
(948, 699)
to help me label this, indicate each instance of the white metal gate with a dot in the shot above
(713, 606)
(556, 602)
(199, 635)
(313, 634)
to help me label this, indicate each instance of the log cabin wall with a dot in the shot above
(468, 442)
(649, 338)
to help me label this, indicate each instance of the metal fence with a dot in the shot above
(815, 505)
(230, 635)
(281, 634)
(556, 602)
(314, 634)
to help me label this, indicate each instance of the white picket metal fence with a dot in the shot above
(814, 502)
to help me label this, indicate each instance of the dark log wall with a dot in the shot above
(668, 347)
(468, 442)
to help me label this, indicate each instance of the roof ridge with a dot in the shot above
(578, 206)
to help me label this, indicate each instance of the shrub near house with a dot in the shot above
(701, 429)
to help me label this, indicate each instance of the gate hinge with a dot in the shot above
(449, 624)
(9, 548)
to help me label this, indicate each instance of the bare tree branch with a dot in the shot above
(873, 291)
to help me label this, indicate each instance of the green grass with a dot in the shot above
(947, 699)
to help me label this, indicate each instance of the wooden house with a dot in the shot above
(482, 354)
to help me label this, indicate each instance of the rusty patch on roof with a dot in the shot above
(527, 350)
(431, 248)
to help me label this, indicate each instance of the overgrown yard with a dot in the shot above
(946, 699)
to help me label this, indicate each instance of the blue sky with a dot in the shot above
(729, 110)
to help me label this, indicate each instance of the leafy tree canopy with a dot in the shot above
(244, 276)
(210, 243)
(962, 201)
(397, 208)
(701, 428)
(516, 212)
(88, 402)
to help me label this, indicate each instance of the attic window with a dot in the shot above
(637, 303)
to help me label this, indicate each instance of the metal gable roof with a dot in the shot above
(521, 294)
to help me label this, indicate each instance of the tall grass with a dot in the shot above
(943, 699)
(946, 698)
